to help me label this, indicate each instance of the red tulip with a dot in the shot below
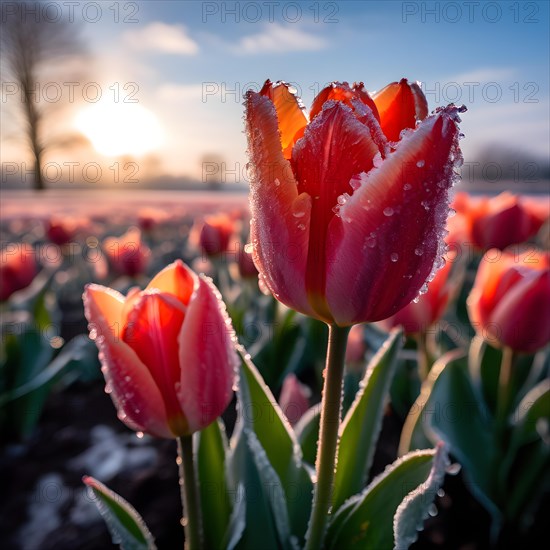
(356, 347)
(61, 231)
(247, 269)
(418, 316)
(337, 210)
(149, 218)
(167, 351)
(294, 398)
(508, 304)
(498, 222)
(216, 233)
(127, 254)
(17, 269)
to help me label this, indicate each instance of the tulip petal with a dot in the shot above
(290, 113)
(176, 279)
(342, 92)
(207, 358)
(420, 101)
(508, 302)
(527, 302)
(502, 221)
(335, 147)
(397, 108)
(280, 217)
(382, 247)
(134, 392)
(493, 280)
(152, 332)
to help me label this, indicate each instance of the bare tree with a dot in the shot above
(31, 41)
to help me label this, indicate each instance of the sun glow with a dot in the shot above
(116, 129)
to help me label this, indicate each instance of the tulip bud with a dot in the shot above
(167, 352)
(128, 255)
(498, 222)
(508, 304)
(61, 231)
(294, 398)
(17, 269)
(215, 234)
(420, 314)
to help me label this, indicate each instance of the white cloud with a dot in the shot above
(161, 37)
(280, 39)
(486, 74)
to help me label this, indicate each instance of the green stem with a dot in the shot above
(504, 392)
(328, 436)
(423, 357)
(192, 522)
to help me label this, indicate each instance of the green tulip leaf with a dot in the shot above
(531, 421)
(211, 445)
(390, 511)
(414, 435)
(454, 414)
(266, 460)
(307, 432)
(525, 469)
(126, 526)
(361, 426)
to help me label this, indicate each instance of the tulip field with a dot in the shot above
(355, 355)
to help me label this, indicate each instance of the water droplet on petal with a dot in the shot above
(277, 182)
(139, 435)
(298, 214)
(418, 251)
(440, 492)
(421, 163)
(407, 187)
(301, 226)
(249, 248)
(388, 211)
(453, 469)
(432, 510)
(377, 160)
(394, 257)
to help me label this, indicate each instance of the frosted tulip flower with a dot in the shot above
(167, 352)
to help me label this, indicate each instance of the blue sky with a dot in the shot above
(192, 61)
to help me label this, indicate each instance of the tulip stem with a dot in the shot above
(328, 436)
(192, 520)
(504, 391)
(423, 356)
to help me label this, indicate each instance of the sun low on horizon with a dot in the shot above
(116, 129)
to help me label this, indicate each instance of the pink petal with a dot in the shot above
(280, 217)
(176, 279)
(290, 113)
(207, 357)
(521, 320)
(343, 92)
(383, 246)
(335, 147)
(152, 332)
(133, 391)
